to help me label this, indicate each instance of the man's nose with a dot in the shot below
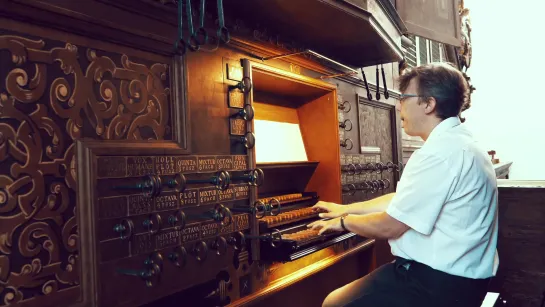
(398, 105)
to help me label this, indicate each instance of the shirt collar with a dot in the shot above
(443, 126)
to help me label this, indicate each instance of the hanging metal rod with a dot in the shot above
(350, 73)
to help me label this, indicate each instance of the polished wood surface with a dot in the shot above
(294, 93)
(275, 113)
(319, 128)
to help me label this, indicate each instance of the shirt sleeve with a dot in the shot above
(423, 189)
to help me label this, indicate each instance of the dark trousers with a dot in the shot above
(406, 283)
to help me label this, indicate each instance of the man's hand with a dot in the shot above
(329, 225)
(332, 210)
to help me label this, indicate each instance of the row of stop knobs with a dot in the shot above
(220, 214)
(152, 266)
(378, 167)
(154, 223)
(152, 185)
(368, 186)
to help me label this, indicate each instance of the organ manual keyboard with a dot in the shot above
(287, 237)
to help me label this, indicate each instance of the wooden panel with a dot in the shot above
(209, 111)
(377, 124)
(383, 134)
(266, 111)
(437, 20)
(521, 274)
(319, 126)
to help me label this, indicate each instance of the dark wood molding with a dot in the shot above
(182, 130)
(393, 15)
(85, 215)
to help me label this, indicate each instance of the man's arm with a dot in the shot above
(378, 204)
(379, 225)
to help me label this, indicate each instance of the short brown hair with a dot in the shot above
(441, 81)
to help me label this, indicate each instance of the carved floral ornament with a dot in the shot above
(51, 98)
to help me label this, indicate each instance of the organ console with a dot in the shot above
(167, 153)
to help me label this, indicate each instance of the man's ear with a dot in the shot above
(430, 104)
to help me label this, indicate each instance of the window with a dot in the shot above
(410, 51)
(422, 51)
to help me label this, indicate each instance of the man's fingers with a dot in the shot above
(320, 206)
(324, 229)
(317, 225)
(328, 215)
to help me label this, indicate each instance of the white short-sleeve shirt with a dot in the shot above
(447, 195)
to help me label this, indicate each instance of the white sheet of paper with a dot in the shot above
(278, 142)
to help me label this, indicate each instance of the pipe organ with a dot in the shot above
(163, 152)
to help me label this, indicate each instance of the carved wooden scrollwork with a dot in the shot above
(54, 94)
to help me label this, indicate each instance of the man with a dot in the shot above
(442, 221)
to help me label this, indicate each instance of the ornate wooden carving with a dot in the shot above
(54, 93)
(465, 53)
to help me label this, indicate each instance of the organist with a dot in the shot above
(442, 221)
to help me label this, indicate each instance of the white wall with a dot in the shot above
(508, 105)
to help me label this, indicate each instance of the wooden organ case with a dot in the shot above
(148, 164)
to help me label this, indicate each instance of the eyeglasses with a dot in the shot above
(405, 96)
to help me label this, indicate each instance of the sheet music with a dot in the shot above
(278, 142)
